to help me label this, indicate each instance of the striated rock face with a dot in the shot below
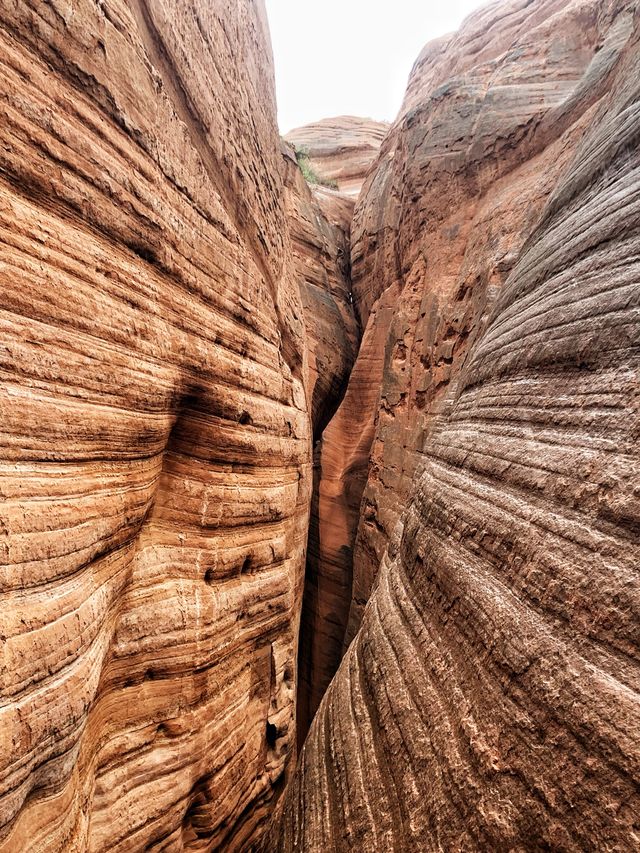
(246, 443)
(490, 697)
(320, 222)
(425, 270)
(341, 149)
(460, 186)
(155, 434)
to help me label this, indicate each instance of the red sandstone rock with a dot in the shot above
(320, 230)
(155, 438)
(320, 221)
(177, 326)
(341, 149)
(489, 699)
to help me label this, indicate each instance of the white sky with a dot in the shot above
(351, 57)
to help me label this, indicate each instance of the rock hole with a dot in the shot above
(209, 576)
(272, 735)
(144, 252)
(245, 419)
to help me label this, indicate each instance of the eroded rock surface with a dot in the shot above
(490, 699)
(320, 221)
(341, 149)
(155, 434)
(178, 330)
(492, 119)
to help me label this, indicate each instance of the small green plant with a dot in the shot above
(309, 173)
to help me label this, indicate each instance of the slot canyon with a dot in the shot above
(319, 453)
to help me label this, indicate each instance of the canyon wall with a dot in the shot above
(320, 221)
(492, 118)
(205, 363)
(341, 149)
(486, 451)
(157, 408)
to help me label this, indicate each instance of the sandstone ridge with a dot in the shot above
(480, 475)
(341, 149)
(278, 474)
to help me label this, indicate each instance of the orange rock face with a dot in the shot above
(155, 429)
(341, 149)
(320, 220)
(461, 183)
(489, 698)
(258, 460)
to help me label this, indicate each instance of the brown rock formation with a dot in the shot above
(320, 222)
(154, 432)
(491, 697)
(341, 149)
(177, 331)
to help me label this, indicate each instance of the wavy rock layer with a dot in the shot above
(459, 185)
(467, 170)
(491, 697)
(341, 149)
(320, 221)
(155, 437)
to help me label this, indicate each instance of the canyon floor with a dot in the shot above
(319, 455)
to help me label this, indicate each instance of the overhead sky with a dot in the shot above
(351, 57)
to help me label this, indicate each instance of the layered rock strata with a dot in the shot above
(489, 698)
(156, 412)
(320, 221)
(457, 189)
(492, 118)
(341, 149)
(177, 329)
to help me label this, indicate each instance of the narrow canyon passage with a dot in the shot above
(319, 520)
(340, 151)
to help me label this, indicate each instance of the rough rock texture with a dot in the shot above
(341, 149)
(155, 442)
(340, 471)
(491, 697)
(461, 184)
(176, 331)
(320, 222)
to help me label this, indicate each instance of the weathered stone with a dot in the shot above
(489, 699)
(177, 332)
(341, 149)
(155, 442)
